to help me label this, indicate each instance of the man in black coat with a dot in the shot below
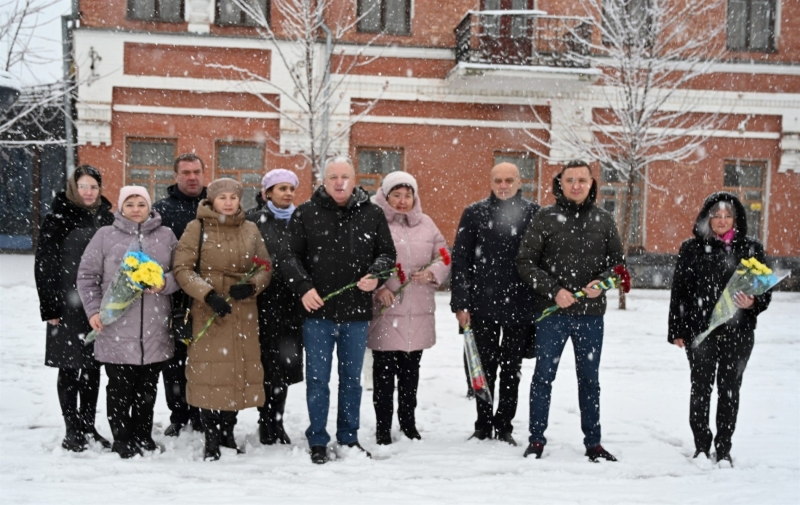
(340, 237)
(489, 296)
(177, 210)
(570, 246)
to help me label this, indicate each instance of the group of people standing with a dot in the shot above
(510, 261)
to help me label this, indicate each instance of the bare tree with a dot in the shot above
(20, 34)
(643, 110)
(23, 50)
(305, 38)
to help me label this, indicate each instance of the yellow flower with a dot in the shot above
(131, 262)
(746, 262)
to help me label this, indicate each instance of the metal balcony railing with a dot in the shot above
(523, 37)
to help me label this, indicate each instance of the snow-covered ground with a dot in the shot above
(645, 400)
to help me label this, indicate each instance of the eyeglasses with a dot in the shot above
(87, 187)
(723, 216)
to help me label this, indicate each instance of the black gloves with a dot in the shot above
(242, 291)
(218, 304)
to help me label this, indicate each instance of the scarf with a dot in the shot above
(284, 214)
(75, 197)
(728, 237)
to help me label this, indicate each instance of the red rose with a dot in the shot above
(400, 274)
(624, 277)
(445, 256)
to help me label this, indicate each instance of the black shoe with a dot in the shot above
(148, 445)
(506, 437)
(383, 437)
(724, 456)
(357, 446)
(211, 448)
(319, 455)
(126, 450)
(597, 452)
(227, 440)
(534, 448)
(75, 441)
(411, 432)
(481, 434)
(266, 434)
(91, 434)
(173, 430)
(280, 433)
(698, 452)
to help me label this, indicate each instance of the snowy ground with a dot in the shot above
(644, 413)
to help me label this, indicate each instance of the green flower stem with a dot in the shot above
(249, 275)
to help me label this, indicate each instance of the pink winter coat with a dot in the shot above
(409, 324)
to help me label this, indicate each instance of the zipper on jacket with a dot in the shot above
(408, 306)
(141, 311)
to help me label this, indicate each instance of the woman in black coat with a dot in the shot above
(279, 320)
(75, 216)
(705, 264)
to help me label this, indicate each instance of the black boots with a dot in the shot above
(218, 428)
(272, 431)
(535, 449)
(91, 434)
(75, 440)
(597, 452)
(383, 437)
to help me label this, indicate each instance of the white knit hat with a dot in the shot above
(398, 178)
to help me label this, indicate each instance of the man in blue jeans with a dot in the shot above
(569, 246)
(339, 237)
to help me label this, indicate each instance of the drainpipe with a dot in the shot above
(326, 88)
(67, 25)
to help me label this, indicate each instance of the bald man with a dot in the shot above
(490, 297)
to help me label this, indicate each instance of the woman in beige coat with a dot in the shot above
(223, 372)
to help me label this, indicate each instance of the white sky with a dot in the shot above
(46, 42)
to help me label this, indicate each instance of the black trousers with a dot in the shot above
(724, 357)
(174, 372)
(130, 398)
(74, 386)
(386, 366)
(507, 355)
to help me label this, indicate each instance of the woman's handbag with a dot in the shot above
(181, 323)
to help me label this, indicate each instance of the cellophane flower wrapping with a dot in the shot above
(136, 273)
(751, 278)
(476, 375)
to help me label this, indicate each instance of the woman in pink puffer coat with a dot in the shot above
(398, 336)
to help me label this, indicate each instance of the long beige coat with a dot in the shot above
(224, 367)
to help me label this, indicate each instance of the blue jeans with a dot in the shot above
(552, 333)
(319, 337)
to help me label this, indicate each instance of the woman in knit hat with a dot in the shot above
(279, 319)
(223, 372)
(407, 327)
(134, 347)
(75, 216)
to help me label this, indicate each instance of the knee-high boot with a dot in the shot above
(277, 420)
(228, 421)
(211, 428)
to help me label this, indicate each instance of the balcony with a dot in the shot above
(522, 50)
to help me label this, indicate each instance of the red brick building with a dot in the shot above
(159, 90)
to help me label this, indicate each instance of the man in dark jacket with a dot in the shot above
(489, 296)
(570, 246)
(177, 210)
(340, 237)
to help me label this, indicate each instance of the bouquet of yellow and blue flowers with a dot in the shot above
(751, 278)
(136, 273)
